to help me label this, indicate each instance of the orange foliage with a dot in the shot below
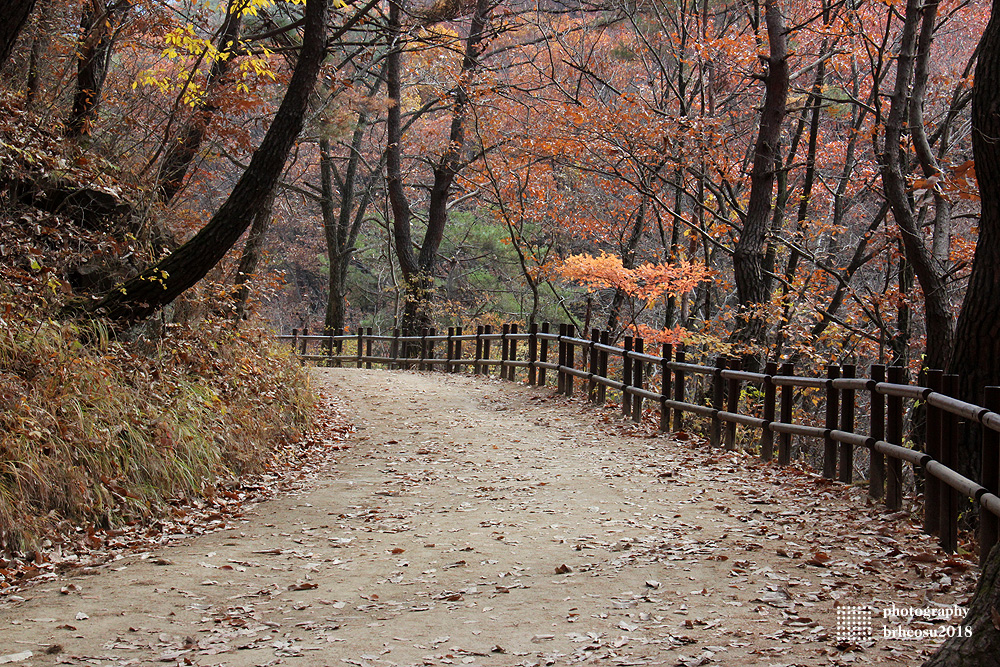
(647, 282)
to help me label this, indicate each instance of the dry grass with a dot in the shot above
(104, 433)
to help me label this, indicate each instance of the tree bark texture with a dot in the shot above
(98, 25)
(977, 338)
(976, 356)
(342, 222)
(169, 278)
(39, 42)
(930, 274)
(253, 250)
(13, 17)
(629, 254)
(982, 648)
(748, 258)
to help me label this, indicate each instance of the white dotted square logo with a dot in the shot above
(854, 624)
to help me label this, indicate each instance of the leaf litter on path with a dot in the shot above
(449, 531)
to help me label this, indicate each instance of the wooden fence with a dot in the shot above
(721, 386)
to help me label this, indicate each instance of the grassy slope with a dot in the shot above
(96, 433)
(105, 433)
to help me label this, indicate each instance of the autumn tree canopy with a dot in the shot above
(461, 161)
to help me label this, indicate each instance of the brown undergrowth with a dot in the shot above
(105, 433)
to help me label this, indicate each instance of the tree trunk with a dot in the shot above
(39, 42)
(252, 252)
(628, 262)
(342, 224)
(418, 269)
(13, 15)
(976, 357)
(98, 25)
(977, 338)
(982, 647)
(748, 257)
(930, 274)
(167, 279)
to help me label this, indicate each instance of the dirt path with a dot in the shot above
(474, 522)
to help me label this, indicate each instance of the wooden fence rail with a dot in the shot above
(724, 387)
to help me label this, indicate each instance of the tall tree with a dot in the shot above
(418, 267)
(906, 113)
(169, 278)
(748, 258)
(99, 24)
(977, 339)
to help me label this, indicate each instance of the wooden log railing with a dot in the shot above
(723, 385)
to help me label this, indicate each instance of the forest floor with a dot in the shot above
(475, 522)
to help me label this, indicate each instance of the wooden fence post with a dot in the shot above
(532, 353)
(876, 466)
(330, 347)
(770, 395)
(368, 347)
(512, 353)
(488, 330)
(638, 377)
(504, 350)
(561, 351)
(543, 354)
(666, 352)
(718, 395)
(832, 421)
(305, 342)
(430, 344)
(679, 389)
(394, 350)
(457, 367)
(594, 365)
(422, 347)
(733, 389)
(785, 416)
(988, 521)
(295, 341)
(602, 390)
(337, 346)
(477, 366)
(449, 351)
(406, 348)
(360, 344)
(948, 518)
(570, 358)
(894, 435)
(932, 485)
(847, 425)
(626, 377)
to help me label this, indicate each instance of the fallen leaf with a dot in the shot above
(302, 586)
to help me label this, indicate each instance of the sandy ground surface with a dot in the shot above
(479, 522)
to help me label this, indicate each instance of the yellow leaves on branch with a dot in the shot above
(188, 56)
(647, 282)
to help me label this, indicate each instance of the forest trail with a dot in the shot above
(484, 523)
